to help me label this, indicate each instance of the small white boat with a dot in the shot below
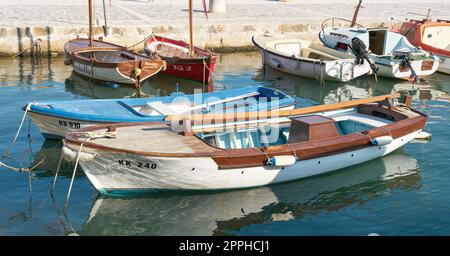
(210, 152)
(299, 57)
(392, 53)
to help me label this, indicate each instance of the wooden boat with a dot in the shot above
(198, 67)
(56, 118)
(431, 36)
(109, 62)
(183, 59)
(391, 52)
(210, 152)
(299, 57)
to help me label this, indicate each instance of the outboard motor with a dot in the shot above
(359, 49)
(405, 56)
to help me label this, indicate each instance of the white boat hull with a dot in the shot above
(444, 66)
(112, 172)
(102, 73)
(334, 70)
(53, 127)
(388, 67)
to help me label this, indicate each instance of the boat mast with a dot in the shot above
(90, 23)
(104, 17)
(191, 41)
(355, 14)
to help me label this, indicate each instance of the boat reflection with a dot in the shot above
(32, 71)
(434, 88)
(329, 92)
(159, 85)
(225, 212)
(47, 159)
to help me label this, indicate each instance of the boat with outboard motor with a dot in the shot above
(431, 36)
(391, 52)
(295, 56)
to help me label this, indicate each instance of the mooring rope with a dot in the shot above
(28, 107)
(57, 169)
(22, 169)
(35, 49)
(74, 172)
(138, 43)
(204, 63)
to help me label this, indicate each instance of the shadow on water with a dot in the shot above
(224, 213)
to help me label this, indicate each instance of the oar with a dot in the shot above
(278, 113)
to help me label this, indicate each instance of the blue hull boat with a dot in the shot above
(56, 118)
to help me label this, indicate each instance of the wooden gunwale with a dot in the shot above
(94, 62)
(251, 157)
(257, 115)
(69, 48)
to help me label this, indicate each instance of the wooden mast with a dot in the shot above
(90, 23)
(355, 14)
(191, 40)
(104, 17)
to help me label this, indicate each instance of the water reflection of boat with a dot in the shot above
(49, 155)
(330, 92)
(153, 87)
(423, 91)
(219, 213)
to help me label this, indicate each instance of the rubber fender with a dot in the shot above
(383, 140)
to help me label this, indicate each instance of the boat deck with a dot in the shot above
(148, 138)
(76, 44)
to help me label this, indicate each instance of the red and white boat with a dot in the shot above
(183, 59)
(431, 36)
(198, 66)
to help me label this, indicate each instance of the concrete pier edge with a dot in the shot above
(217, 37)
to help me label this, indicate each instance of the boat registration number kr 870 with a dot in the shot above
(73, 125)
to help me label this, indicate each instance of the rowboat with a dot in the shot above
(221, 213)
(292, 55)
(105, 61)
(109, 62)
(198, 67)
(431, 36)
(56, 118)
(183, 59)
(242, 150)
(392, 53)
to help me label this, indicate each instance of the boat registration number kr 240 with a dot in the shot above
(137, 164)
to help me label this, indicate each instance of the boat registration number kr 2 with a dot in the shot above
(182, 68)
(137, 164)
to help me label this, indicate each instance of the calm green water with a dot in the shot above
(405, 193)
